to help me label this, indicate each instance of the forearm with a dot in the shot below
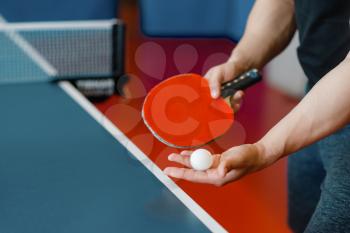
(325, 109)
(270, 27)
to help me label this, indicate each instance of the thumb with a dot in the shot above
(230, 159)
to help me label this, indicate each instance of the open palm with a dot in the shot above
(227, 167)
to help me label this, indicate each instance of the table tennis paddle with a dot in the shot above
(181, 113)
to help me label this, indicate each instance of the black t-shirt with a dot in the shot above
(324, 35)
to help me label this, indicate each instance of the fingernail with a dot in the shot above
(214, 93)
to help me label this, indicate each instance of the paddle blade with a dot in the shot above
(181, 113)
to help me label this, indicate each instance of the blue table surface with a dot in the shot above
(15, 66)
(60, 171)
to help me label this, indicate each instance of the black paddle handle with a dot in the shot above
(242, 82)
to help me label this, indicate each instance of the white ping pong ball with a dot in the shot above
(201, 160)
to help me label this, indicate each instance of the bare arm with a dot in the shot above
(270, 27)
(325, 109)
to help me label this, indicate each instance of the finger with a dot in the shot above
(236, 107)
(186, 152)
(233, 175)
(229, 160)
(205, 177)
(216, 160)
(222, 168)
(238, 96)
(236, 100)
(214, 78)
(181, 159)
(188, 174)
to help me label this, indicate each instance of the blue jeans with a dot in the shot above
(319, 186)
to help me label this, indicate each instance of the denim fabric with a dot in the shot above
(319, 186)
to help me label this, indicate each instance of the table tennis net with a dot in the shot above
(50, 51)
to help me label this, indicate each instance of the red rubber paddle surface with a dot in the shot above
(181, 113)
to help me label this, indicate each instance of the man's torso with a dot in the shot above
(324, 35)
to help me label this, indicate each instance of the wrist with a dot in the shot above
(242, 59)
(247, 57)
(255, 50)
(267, 154)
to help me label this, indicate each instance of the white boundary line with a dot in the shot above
(201, 214)
(60, 25)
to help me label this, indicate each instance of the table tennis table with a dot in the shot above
(64, 167)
